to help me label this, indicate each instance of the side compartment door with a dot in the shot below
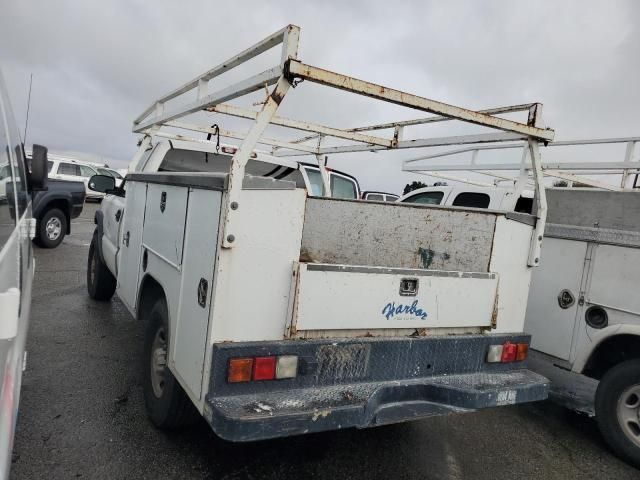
(613, 283)
(553, 297)
(130, 241)
(198, 264)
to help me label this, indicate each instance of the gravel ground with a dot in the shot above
(82, 414)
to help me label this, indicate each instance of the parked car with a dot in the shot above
(463, 195)
(379, 196)
(65, 168)
(54, 209)
(17, 227)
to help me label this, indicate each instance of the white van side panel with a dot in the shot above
(253, 279)
(509, 258)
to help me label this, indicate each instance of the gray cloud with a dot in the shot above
(97, 65)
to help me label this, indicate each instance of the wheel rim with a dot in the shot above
(53, 228)
(158, 362)
(629, 413)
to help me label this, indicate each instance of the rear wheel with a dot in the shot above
(168, 406)
(52, 228)
(618, 410)
(101, 284)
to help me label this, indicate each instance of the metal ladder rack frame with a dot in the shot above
(568, 171)
(289, 72)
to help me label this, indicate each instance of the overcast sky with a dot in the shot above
(98, 64)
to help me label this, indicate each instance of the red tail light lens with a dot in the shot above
(509, 351)
(264, 368)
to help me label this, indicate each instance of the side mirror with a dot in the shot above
(39, 171)
(102, 183)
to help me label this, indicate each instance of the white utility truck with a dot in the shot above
(583, 310)
(272, 311)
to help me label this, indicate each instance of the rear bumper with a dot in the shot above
(387, 390)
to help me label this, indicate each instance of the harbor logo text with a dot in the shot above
(392, 309)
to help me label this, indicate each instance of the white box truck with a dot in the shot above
(272, 311)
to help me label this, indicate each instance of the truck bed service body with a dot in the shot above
(273, 312)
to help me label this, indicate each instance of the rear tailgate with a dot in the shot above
(339, 297)
(389, 269)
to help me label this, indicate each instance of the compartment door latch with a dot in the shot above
(409, 287)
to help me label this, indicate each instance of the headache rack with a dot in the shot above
(289, 72)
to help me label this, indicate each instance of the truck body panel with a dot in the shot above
(197, 269)
(272, 296)
(337, 297)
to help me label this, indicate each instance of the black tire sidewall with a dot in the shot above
(610, 388)
(102, 284)
(158, 409)
(43, 240)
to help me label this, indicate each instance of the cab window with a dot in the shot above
(87, 171)
(342, 187)
(426, 198)
(472, 199)
(376, 197)
(49, 166)
(68, 169)
(315, 181)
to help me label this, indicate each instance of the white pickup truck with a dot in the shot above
(273, 309)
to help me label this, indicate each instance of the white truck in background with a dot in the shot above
(583, 309)
(470, 196)
(272, 311)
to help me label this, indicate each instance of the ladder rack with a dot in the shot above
(289, 72)
(571, 172)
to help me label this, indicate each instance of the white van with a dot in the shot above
(17, 228)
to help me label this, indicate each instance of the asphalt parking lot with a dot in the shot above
(82, 414)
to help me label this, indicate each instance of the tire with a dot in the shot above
(101, 284)
(167, 405)
(52, 228)
(618, 398)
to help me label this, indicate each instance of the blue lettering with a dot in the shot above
(412, 310)
(388, 309)
(391, 309)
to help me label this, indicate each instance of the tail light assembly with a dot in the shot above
(249, 369)
(507, 352)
